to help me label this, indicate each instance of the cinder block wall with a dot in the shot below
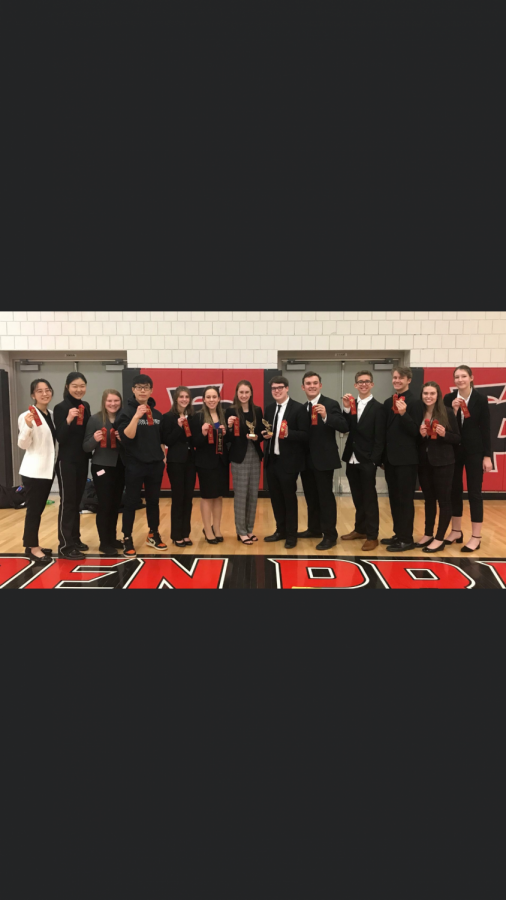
(242, 338)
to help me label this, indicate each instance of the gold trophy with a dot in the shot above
(252, 426)
(268, 427)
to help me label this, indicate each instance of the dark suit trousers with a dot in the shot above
(474, 472)
(321, 502)
(182, 482)
(138, 474)
(37, 493)
(283, 491)
(436, 484)
(109, 488)
(401, 482)
(362, 481)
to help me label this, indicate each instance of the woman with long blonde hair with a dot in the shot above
(107, 469)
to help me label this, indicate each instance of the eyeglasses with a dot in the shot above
(364, 382)
(143, 387)
(280, 388)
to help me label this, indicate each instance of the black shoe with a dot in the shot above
(459, 540)
(82, 547)
(388, 541)
(425, 544)
(309, 534)
(38, 560)
(46, 552)
(326, 544)
(118, 545)
(180, 544)
(129, 550)
(73, 554)
(437, 549)
(290, 544)
(219, 539)
(109, 551)
(469, 549)
(275, 537)
(207, 539)
(399, 547)
(188, 542)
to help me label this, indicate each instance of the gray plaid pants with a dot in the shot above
(246, 477)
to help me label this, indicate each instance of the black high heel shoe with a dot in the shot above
(247, 543)
(38, 560)
(436, 549)
(188, 543)
(469, 549)
(207, 539)
(219, 539)
(425, 544)
(459, 540)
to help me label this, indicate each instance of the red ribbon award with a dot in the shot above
(113, 439)
(465, 409)
(314, 416)
(103, 442)
(431, 429)
(353, 406)
(283, 431)
(396, 398)
(237, 427)
(80, 418)
(210, 435)
(149, 416)
(187, 429)
(36, 418)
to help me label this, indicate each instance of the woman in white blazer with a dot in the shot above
(37, 436)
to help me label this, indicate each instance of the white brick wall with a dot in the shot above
(252, 339)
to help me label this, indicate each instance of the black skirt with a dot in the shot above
(214, 483)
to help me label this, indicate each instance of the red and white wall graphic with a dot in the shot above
(240, 572)
(490, 382)
(165, 381)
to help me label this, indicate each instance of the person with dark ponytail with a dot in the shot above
(474, 453)
(37, 436)
(70, 419)
(177, 437)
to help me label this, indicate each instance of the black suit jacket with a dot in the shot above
(292, 448)
(322, 452)
(402, 432)
(441, 451)
(367, 437)
(179, 447)
(476, 438)
(239, 445)
(205, 453)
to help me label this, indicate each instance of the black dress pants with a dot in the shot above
(182, 481)
(283, 490)
(109, 488)
(362, 481)
(72, 477)
(150, 475)
(436, 484)
(37, 492)
(321, 502)
(401, 481)
(474, 472)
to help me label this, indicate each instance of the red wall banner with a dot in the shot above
(492, 382)
(165, 381)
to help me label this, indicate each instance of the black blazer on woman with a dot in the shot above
(70, 437)
(179, 447)
(239, 445)
(439, 452)
(205, 453)
(476, 438)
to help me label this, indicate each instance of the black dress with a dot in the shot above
(212, 467)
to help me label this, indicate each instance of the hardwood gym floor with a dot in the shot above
(493, 543)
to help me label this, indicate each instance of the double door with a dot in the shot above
(338, 379)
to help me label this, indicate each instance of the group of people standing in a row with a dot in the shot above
(433, 438)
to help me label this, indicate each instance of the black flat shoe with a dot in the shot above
(38, 560)
(326, 544)
(46, 552)
(109, 551)
(275, 537)
(73, 554)
(426, 543)
(469, 550)
(388, 541)
(436, 550)
(207, 539)
(188, 543)
(219, 539)
(289, 545)
(400, 547)
(459, 540)
(118, 545)
(309, 534)
(180, 544)
(82, 547)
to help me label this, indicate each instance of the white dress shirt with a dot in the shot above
(281, 416)
(314, 403)
(361, 405)
(460, 397)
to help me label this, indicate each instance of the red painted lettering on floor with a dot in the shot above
(167, 573)
(499, 570)
(316, 573)
(63, 573)
(9, 568)
(415, 574)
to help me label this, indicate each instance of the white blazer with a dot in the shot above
(40, 457)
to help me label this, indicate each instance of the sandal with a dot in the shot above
(253, 538)
(247, 543)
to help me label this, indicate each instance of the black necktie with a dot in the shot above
(310, 409)
(273, 439)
